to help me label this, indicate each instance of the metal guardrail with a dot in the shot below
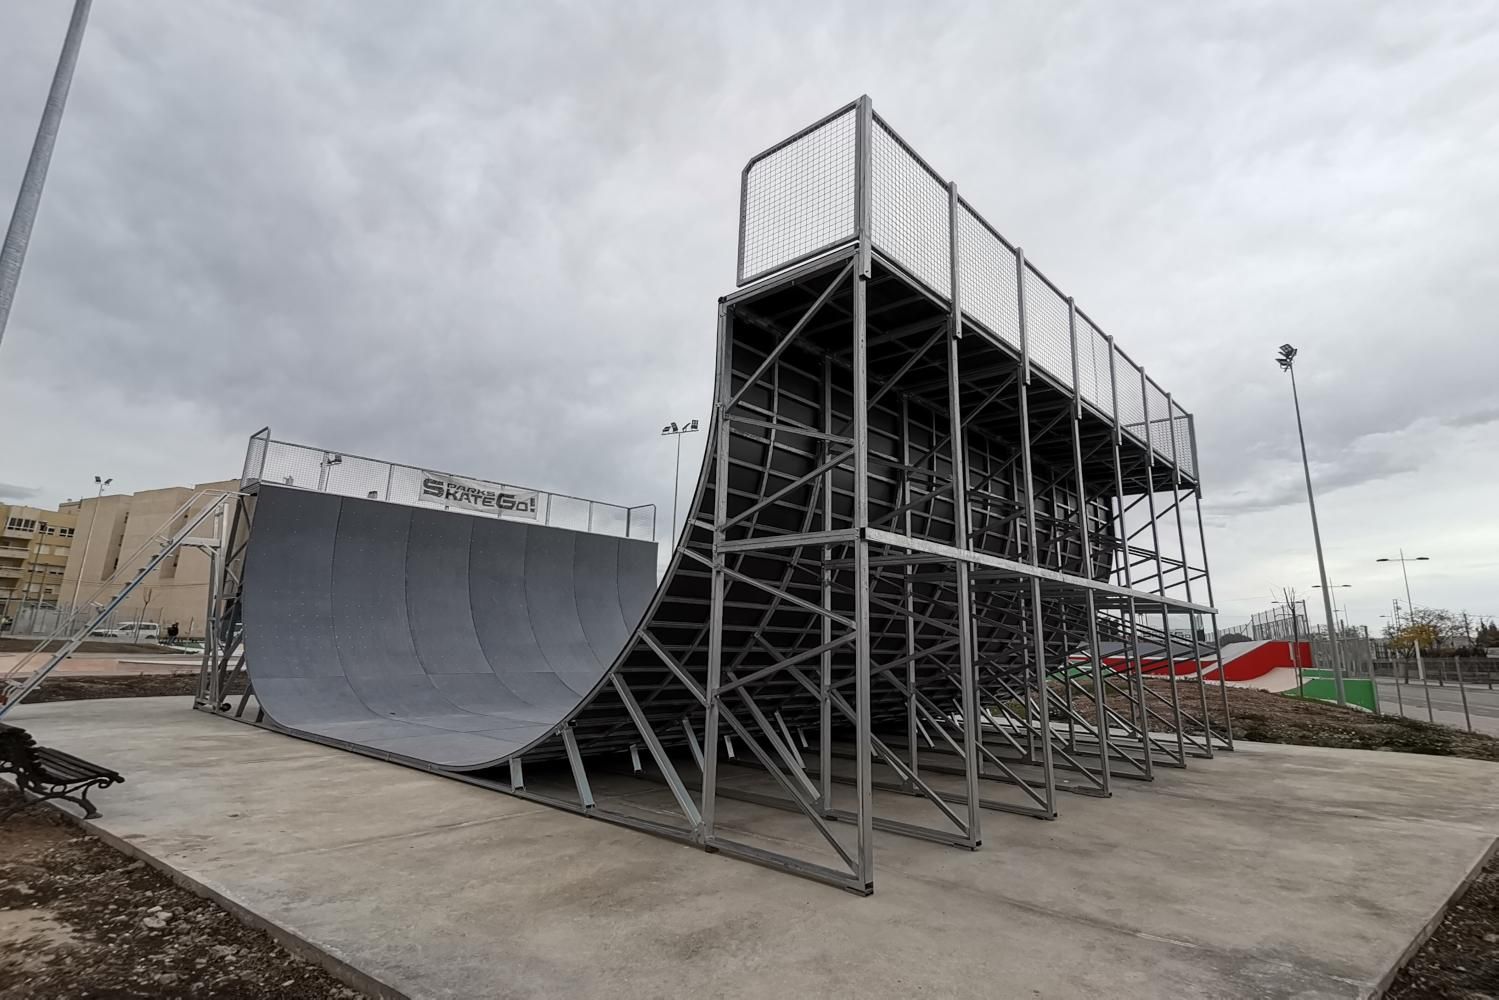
(326, 471)
(798, 201)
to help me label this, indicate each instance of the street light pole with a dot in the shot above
(1410, 612)
(672, 430)
(1286, 360)
(18, 235)
(87, 539)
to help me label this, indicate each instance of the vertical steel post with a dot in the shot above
(1131, 609)
(1207, 577)
(1160, 573)
(1181, 545)
(1100, 698)
(715, 605)
(1042, 724)
(862, 744)
(908, 598)
(961, 540)
(825, 664)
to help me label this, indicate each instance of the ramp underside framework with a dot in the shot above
(931, 482)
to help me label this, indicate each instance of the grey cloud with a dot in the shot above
(9, 491)
(489, 238)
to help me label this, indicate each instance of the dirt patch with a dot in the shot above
(11, 644)
(80, 919)
(61, 687)
(1462, 958)
(1267, 717)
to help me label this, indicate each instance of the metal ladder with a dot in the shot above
(14, 687)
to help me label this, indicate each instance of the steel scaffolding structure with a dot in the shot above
(934, 490)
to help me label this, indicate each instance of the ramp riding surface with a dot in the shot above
(443, 639)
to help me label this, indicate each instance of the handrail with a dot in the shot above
(68, 626)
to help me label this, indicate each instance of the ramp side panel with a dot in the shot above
(439, 638)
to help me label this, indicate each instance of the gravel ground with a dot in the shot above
(1461, 961)
(79, 919)
(62, 687)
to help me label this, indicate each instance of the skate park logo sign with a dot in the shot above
(450, 491)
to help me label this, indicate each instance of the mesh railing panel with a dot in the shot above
(1131, 397)
(986, 278)
(799, 199)
(1093, 379)
(908, 215)
(325, 471)
(1046, 329)
(1160, 420)
(1181, 432)
(254, 458)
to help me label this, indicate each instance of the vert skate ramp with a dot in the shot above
(441, 639)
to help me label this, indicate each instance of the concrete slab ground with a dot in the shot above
(1272, 872)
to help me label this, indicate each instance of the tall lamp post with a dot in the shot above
(672, 430)
(87, 539)
(1410, 612)
(1286, 360)
(18, 235)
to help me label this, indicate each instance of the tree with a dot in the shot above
(1433, 628)
(1487, 635)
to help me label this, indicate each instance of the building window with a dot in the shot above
(20, 524)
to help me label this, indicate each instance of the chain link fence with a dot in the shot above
(305, 467)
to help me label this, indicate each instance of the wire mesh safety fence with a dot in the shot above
(1182, 434)
(325, 471)
(986, 275)
(798, 200)
(1094, 381)
(1131, 397)
(1046, 328)
(908, 210)
(1160, 419)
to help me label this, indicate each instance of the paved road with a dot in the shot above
(1446, 703)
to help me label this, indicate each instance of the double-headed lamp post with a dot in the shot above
(88, 538)
(672, 430)
(1410, 607)
(1287, 361)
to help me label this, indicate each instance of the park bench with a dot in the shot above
(45, 773)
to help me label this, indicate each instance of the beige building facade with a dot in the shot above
(115, 534)
(34, 547)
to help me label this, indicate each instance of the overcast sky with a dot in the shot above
(489, 237)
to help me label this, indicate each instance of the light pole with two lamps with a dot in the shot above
(1287, 361)
(1410, 612)
(88, 539)
(672, 430)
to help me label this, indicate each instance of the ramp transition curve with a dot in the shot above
(439, 638)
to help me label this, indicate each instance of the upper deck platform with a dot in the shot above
(804, 197)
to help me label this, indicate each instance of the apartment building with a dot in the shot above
(34, 547)
(115, 532)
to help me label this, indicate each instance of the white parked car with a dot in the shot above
(140, 631)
